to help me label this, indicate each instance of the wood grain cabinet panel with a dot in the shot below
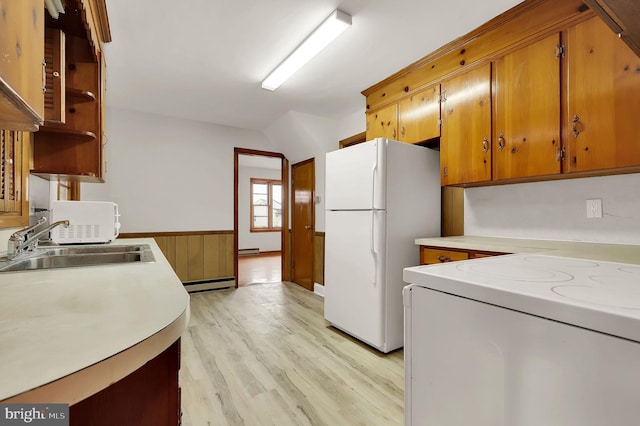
(623, 17)
(430, 255)
(14, 178)
(54, 95)
(465, 144)
(419, 116)
(527, 111)
(21, 64)
(603, 99)
(383, 123)
(150, 396)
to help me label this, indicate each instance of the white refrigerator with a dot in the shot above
(380, 196)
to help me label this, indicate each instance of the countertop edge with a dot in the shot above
(88, 381)
(612, 252)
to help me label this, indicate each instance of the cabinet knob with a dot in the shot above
(444, 259)
(501, 141)
(402, 131)
(485, 144)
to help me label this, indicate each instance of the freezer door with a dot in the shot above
(354, 274)
(355, 177)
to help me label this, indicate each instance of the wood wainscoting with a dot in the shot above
(203, 260)
(318, 258)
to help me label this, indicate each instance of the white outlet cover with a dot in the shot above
(594, 208)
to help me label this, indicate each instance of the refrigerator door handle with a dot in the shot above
(372, 246)
(373, 184)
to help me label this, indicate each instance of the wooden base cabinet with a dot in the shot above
(434, 255)
(150, 396)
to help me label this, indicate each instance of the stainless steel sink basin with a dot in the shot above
(78, 256)
(94, 249)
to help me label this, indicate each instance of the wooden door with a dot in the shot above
(303, 223)
(465, 144)
(383, 123)
(419, 116)
(527, 111)
(603, 99)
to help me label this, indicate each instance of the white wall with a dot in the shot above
(302, 136)
(169, 174)
(265, 241)
(557, 210)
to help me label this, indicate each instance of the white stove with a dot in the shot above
(602, 296)
(522, 340)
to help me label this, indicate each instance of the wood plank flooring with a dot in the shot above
(261, 268)
(264, 355)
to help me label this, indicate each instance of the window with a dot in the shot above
(266, 205)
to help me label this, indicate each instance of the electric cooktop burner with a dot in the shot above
(596, 283)
(598, 295)
(505, 271)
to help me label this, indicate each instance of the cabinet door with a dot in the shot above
(383, 123)
(54, 95)
(465, 147)
(527, 111)
(419, 116)
(603, 99)
(21, 64)
(14, 172)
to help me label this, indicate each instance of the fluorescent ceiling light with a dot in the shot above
(331, 28)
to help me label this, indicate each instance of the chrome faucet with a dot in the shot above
(21, 242)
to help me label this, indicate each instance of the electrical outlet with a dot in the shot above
(594, 208)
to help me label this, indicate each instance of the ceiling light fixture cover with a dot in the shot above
(331, 28)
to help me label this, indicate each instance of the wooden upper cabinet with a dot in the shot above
(383, 123)
(603, 99)
(71, 143)
(527, 111)
(622, 16)
(419, 116)
(14, 178)
(21, 64)
(465, 143)
(54, 55)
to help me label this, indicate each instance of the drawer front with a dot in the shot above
(430, 256)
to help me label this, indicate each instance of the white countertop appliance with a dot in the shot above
(89, 221)
(380, 195)
(522, 340)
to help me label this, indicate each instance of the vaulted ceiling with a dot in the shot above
(205, 59)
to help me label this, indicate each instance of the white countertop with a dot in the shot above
(103, 322)
(581, 250)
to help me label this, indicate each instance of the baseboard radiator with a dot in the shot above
(248, 251)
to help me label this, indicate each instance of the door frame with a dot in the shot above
(284, 176)
(311, 160)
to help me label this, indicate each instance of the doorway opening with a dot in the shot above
(260, 216)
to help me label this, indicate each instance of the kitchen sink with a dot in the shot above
(77, 256)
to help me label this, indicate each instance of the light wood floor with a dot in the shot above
(264, 355)
(261, 268)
